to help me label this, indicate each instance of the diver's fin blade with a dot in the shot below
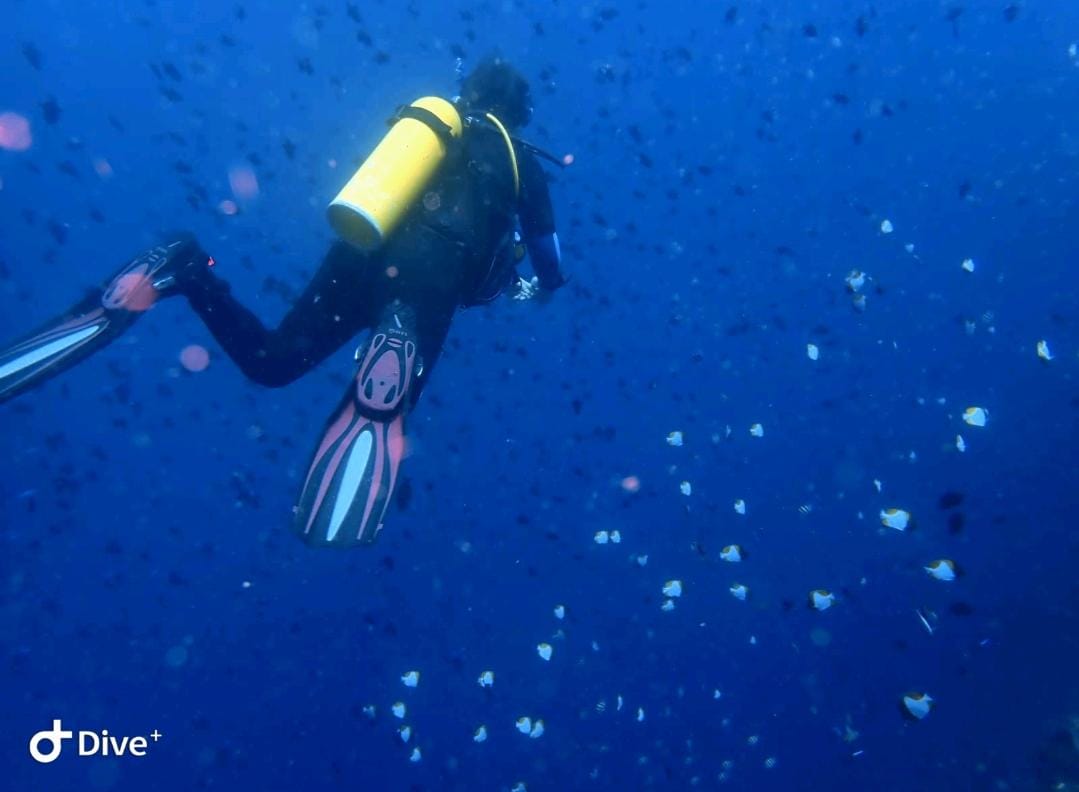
(95, 321)
(56, 346)
(351, 478)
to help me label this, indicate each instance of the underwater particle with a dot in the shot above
(243, 182)
(740, 506)
(716, 695)
(855, 280)
(960, 444)
(895, 518)
(756, 430)
(411, 679)
(519, 787)
(619, 703)
(537, 730)
(753, 739)
(405, 733)
(560, 612)
(886, 226)
(601, 537)
(642, 560)
(917, 705)
(176, 656)
(567, 159)
(686, 488)
(102, 168)
(369, 710)
(675, 439)
(739, 591)
(480, 735)
(415, 756)
(631, 484)
(672, 588)
(524, 724)
(968, 265)
(812, 351)
(228, 208)
(909, 247)
(15, 132)
(640, 714)
(820, 637)
(858, 303)
(667, 606)
(486, 679)
(544, 650)
(194, 358)
(877, 485)
(770, 762)
(976, 416)
(616, 537)
(731, 553)
(1043, 350)
(942, 569)
(821, 599)
(398, 710)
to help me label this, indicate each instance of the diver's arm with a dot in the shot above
(537, 225)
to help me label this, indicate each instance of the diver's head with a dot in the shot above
(496, 87)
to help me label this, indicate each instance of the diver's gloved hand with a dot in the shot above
(526, 289)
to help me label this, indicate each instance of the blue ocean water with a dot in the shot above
(733, 164)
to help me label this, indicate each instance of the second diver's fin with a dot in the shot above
(95, 321)
(352, 474)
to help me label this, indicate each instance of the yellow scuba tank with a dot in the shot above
(389, 182)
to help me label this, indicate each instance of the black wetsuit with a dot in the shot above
(454, 248)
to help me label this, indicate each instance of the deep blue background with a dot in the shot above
(730, 171)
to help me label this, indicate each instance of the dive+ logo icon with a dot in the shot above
(89, 743)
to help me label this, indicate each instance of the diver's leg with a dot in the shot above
(353, 471)
(332, 309)
(102, 315)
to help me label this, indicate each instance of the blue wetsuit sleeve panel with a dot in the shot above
(537, 223)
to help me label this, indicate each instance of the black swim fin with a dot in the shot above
(101, 316)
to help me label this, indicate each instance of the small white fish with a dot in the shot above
(619, 704)
(560, 612)
(960, 444)
(405, 733)
(740, 506)
(544, 650)
(942, 569)
(855, 280)
(812, 351)
(601, 537)
(640, 714)
(731, 553)
(918, 704)
(756, 430)
(416, 756)
(739, 592)
(968, 265)
(486, 679)
(821, 599)
(369, 711)
(857, 302)
(925, 622)
(519, 787)
(411, 679)
(686, 488)
(672, 588)
(675, 439)
(909, 247)
(976, 416)
(667, 606)
(895, 518)
(537, 730)
(886, 226)
(1043, 350)
(616, 537)
(716, 694)
(398, 709)
(642, 560)
(524, 724)
(480, 735)
(877, 485)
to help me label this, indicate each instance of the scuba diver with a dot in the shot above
(429, 223)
